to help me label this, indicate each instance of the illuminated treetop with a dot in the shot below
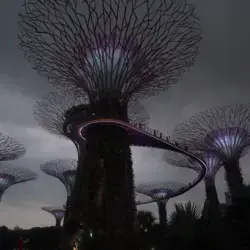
(129, 47)
(10, 176)
(58, 212)
(224, 131)
(213, 163)
(62, 169)
(51, 111)
(10, 149)
(159, 190)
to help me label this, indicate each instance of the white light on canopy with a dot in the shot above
(109, 66)
(229, 141)
(161, 193)
(59, 214)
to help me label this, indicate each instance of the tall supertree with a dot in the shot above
(160, 192)
(114, 51)
(57, 212)
(10, 149)
(213, 164)
(54, 113)
(225, 132)
(10, 176)
(65, 171)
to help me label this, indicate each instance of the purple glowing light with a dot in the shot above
(161, 193)
(108, 59)
(229, 140)
(111, 62)
(59, 213)
(213, 163)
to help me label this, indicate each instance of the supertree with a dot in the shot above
(65, 171)
(10, 176)
(54, 113)
(57, 212)
(10, 149)
(160, 192)
(213, 165)
(114, 51)
(225, 132)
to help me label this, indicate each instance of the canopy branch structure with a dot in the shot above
(10, 148)
(10, 175)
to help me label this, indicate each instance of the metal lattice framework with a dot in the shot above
(225, 131)
(50, 111)
(10, 176)
(57, 212)
(130, 47)
(213, 163)
(10, 149)
(160, 191)
(62, 169)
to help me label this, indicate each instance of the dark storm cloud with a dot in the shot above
(220, 76)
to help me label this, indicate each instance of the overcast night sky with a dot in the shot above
(220, 76)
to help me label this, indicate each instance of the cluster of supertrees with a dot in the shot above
(104, 58)
(11, 149)
(220, 137)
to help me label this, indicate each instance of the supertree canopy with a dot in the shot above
(223, 131)
(10, 176)
(213, 164)
(160, 192)
(114, 52)
(127, 47)
(62, 169)
(52, 112)
(57, 212)
(10, 149)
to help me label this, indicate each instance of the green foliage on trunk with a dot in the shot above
(108, 185)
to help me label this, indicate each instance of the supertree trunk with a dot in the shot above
(211, 207)
(108, 189)
(104, 186)
(234, 179)
(211, 192)
(76, 195)
(66, 216)
(162, 214)
(58, 222)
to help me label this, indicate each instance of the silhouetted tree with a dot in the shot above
(183, 225)
(146, 223)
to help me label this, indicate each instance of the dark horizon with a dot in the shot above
(220, 76)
